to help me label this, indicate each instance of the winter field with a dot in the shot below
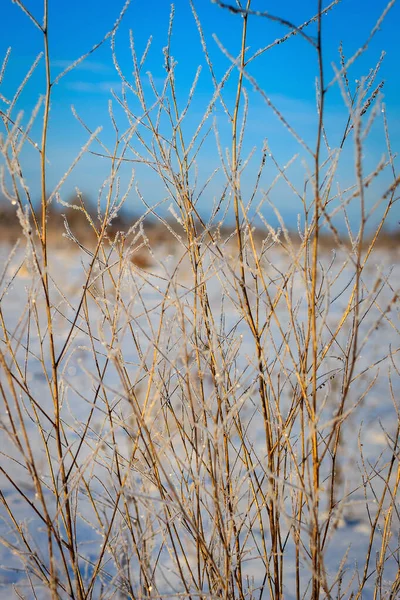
(148, 440)
(199, 301)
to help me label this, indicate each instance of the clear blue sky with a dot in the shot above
(286, 74)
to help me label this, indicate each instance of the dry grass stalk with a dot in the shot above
(178, 426)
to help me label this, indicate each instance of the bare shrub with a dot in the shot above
(193, 409)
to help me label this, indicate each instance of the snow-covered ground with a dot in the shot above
(372, 424)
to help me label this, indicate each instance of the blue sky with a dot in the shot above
(286, 74)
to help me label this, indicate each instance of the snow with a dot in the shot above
(370, 426)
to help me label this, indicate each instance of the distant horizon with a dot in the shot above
(128, 214)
